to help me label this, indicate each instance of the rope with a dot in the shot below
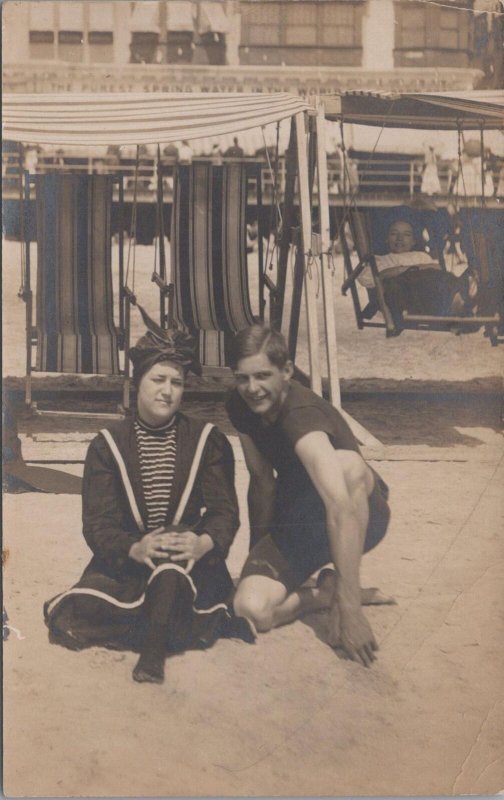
(311, 260)
(331, 263)
(22, 232)
(274, 181)
(353, 196)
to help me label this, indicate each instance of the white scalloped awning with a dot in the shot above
(148, 118)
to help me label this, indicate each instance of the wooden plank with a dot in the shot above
(361, 433)
(310, 275)
(325, 264)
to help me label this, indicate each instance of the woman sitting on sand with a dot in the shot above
(414, 282)
(159, 513)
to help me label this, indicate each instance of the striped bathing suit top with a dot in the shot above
(157, 448)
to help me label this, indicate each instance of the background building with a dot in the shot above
(303, 46)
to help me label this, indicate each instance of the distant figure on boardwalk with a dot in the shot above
(185, 153)
(430, 178)
(216, 155)
(235, 151)
(159, 513)
(324, 505)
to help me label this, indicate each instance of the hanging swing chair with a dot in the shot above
(451, 304)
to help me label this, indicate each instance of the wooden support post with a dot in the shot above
(27, 296)
(120, 181)
(260, 248)
(278, 317)
(310, 276)
(126, 384)
(325, 263)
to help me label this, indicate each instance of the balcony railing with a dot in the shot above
(384, 178)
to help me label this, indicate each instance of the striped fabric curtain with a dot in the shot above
(75, 320)
(209, 255)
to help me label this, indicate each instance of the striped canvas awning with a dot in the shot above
(148, 118)
(430, 110)
(145, 17)
(179, 16)
(212, 18)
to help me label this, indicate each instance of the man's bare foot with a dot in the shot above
(374, 597)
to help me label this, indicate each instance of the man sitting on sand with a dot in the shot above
(324, 504)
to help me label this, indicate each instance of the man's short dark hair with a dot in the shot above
(259, 339)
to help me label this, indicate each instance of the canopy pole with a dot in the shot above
(326, 262)
(310, 265)
(482, 155)
(282, 315)
(359, 431)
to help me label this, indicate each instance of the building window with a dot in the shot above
(144, 47)
(180, 30)
(449, 28)
(70, 46)
(325, 32)
(301, 25)
(413, 31)
(261, 24)
(100, 32)
(211, 49)
(430, 34)
(42, 29)
(41, 44)
(71, 31)
(179, 47)
(340, 25)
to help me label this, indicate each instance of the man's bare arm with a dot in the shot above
(261, 491)
(344, 483)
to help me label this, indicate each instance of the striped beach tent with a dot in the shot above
(208, 254)
(75, 325)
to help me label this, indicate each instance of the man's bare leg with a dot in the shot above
(372, 596)
(267, 604)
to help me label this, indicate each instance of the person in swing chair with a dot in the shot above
(415, 282)
(159, 513)
(312, 500)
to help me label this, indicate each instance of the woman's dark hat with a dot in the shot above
(175, 344)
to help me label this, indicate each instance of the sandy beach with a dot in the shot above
(287, 716)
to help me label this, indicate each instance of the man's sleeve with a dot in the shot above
(307, 419)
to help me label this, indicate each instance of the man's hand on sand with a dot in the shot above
(350, 630)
